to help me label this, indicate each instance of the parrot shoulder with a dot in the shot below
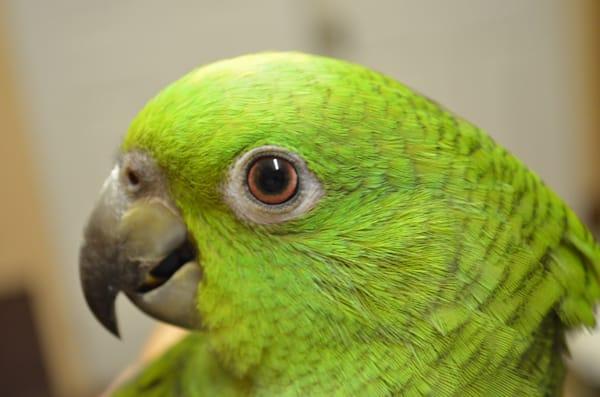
(188, 369)
(577, 269)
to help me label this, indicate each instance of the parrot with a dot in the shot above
(322, 229)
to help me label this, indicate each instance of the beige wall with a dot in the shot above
(84, 68)
(590, 47)
(27, 258)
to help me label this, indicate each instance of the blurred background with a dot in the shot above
(74, 73)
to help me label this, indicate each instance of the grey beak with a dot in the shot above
(142, 248)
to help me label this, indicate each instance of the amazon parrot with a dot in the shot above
(325, 230)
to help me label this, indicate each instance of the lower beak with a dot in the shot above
(143, 249)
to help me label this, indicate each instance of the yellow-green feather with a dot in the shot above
(435, 264)
(186, 370)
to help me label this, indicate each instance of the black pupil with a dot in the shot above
(272, 175)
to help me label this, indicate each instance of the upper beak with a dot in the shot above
(142, 248)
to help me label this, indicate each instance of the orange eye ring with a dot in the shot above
(272, 180)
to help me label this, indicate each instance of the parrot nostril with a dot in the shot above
(132, 177)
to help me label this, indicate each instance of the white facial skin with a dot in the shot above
(237, 195)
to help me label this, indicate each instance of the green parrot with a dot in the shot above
(325, 230)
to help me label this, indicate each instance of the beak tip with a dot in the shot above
(98, 283)
(111, 325)
(101, 302)
(105, 314)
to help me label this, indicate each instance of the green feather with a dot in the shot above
(436, 263)
(186, 370)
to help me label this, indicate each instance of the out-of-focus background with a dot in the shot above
(73, 74)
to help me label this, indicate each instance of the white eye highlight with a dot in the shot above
(270, 185)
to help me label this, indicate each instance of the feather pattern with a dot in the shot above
(435, 263)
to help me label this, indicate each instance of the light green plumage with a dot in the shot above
(188, 370)
(435, 264)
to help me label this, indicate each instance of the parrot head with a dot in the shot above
(270, 201)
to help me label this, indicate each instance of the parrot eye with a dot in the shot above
(272, 180)
(269, 185)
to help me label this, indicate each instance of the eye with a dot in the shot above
(269, 185)
(272, 180)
